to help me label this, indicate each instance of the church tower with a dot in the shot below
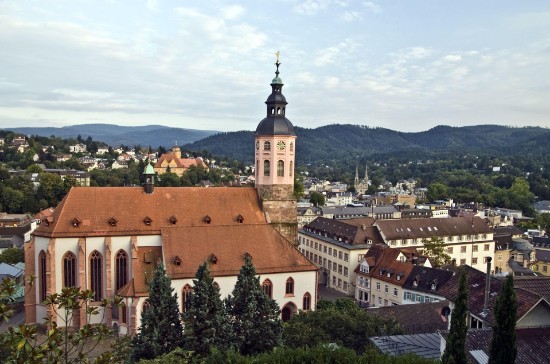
(275, 145)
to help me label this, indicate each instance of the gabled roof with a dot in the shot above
(95, 206)
(169, 158)
(526, 300)
(425, 276)
(426, 227)
(416, 318)
(352, 231)
(537, 285)
(270, 251)
(532, 344)
(388, 265)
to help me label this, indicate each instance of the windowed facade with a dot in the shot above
(96, 275)
(186, 297)
(280, 169)
(268, 288)
(289, 289)
(42, 272)
(121, 269)
(306, 302)
(69, 270)
(267, 167)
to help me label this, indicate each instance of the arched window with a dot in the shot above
(267, 145)
(290, 169)
(69, 270)
(306, 302)
(268, 288)
(292, 146)
(42, 275)
(144, 307)
(289, 286)
(121, 269)
(280, 169)
(266, 168)
(96, 275)
(186, 297)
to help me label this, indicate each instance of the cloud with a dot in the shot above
(375, 8)
(152, 5)
(350, 16)
(232, 12)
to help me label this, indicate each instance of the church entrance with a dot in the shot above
(288, 310)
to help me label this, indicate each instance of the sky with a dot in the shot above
(398, 64)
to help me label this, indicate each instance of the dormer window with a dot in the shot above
(434, 286)
(247, 255)
(76, 222)
(388, 275)
(176, 260)
(213, 259)
(173, 220)
(112, 221)
(381, 272)
(240, 219)
(147, 221)
(415, 282)
(398, 277)
(207, 219)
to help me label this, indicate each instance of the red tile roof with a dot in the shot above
(353, 231)
(94, 207)
(270, 251)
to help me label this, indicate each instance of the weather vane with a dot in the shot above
(277, 54)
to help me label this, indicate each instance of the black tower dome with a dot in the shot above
(276, 122)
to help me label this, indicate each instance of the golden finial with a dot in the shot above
(277, 54)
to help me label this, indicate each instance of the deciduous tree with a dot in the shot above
(435, 250)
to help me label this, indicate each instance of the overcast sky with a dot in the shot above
(403, 65)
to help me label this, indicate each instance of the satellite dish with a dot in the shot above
(445, 311)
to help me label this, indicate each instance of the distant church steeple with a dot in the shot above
(361, 186)
(275, 140)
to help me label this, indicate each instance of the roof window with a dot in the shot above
(147, 220)
(207, 220)
(173, 220)
(240, 219)
(112, 221)
(76, 222)
(176, 260)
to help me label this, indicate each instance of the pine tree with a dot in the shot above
(454, 350)
(206, 321)
(256, 322)
(161, 330)
(503, 345)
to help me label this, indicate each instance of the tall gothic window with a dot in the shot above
(42, 272)
(306, 302)
(267, 168)
(267, 145)
(289, 286)
(69, 270)
(121, 269)
(96, 275)
(268, 288)
(186, 297)
(280, 169)
(290, 169)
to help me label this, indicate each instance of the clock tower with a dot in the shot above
(275, 145)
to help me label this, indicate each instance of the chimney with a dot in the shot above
(487, 287)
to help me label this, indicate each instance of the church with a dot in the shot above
(110, 239)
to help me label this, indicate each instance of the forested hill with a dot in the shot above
(114, 135)
(340, 142)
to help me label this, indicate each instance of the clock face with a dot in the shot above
(281, 145)
(257, 145)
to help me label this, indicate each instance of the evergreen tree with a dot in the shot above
(454, 350)
(206, 321)
(503, 348)
(256, 322)
(161, 330)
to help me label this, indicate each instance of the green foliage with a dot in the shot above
(503, 348)
(341, 322)
(456, 341)
(298, 187)
(22, 344)
(255, 316)
(161, 329)
(317, 198)
(436, 251)
(437, 191)
(12, 256)
(206, 322)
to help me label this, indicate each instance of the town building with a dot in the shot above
(468, 240)
(110, 239)
(336, 247)
(173, 162)
(541, 266)
(305, 215)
